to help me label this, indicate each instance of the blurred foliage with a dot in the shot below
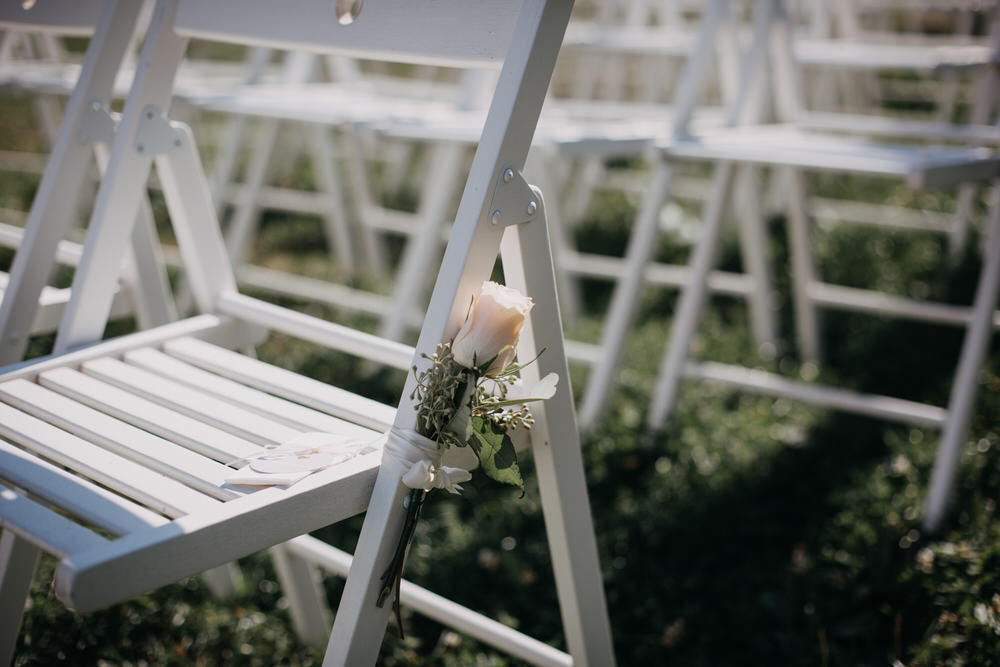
(750, 531)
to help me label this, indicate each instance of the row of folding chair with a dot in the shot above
(572, 131)
(794, 150)
(637, 37)
(130, 438)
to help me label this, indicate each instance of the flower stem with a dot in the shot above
(393, 575)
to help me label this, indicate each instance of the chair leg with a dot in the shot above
(338, 234)
(144, 271)
(223, 581)
(17, 567)
(557, 453)
(625, 299)
(692, 299)
(959, 230)
(240, 231)
(303, 587)
(541, 164)
(807, 325)
(753, 244)
(355, 177)
(963, 393)
(359, 626)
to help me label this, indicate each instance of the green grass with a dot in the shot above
(751, 531)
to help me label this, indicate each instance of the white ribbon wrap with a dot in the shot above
(408, 447)
(421, 458)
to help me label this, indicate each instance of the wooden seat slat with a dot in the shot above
(91, 503)
(278, 381)
(279, 409)
(208, 440)
(156, 491)
(120, 437)
(194, 403)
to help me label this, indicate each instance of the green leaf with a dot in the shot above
(496, 452)
(461, 424)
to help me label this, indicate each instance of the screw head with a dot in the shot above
(532, 208)
(508, 175)
(496, 217)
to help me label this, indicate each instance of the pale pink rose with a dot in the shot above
(490, 333)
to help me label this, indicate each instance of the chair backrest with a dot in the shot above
(64, 17)
(472, 31)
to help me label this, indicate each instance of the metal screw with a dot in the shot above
(532, 207)
(508, 175)
(95, 106)
(496, 217)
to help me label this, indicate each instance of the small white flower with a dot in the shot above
(450, 478)
(425, 475)
(420, 475)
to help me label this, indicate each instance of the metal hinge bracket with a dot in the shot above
(155, 134)
(514, 201)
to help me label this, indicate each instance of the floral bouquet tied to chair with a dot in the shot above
(470, 396)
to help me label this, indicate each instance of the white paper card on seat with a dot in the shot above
(299, 457)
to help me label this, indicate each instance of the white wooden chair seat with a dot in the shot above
(868, 55)
(634, 39)
(618, 129)
(885, 126)
(159, 422)
(792, 146)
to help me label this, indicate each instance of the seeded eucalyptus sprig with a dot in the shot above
(438, 394)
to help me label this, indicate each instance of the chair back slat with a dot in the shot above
(65, 17)
(473, 32)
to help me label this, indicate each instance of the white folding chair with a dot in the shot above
(394, 110)
(789, 147)
(153, 417)
(939, 63)
(29, 304)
